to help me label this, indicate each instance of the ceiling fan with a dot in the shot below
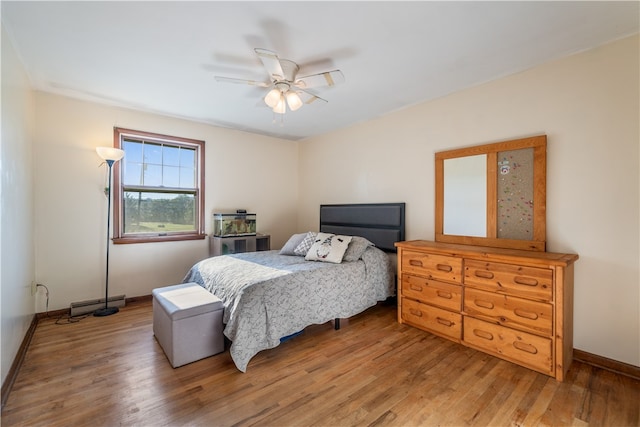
(286, 87)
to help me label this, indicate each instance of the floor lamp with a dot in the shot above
(110, 156)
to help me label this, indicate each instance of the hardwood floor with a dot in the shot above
(110, 371)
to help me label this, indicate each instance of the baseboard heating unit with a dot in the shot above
(89, 306)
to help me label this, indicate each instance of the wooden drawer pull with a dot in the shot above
(527, 281)
(416, 313)
(444, 322)
(483, 334)
(413, 287)
(415, 262)
(444, 267)
(526, 314)
(525, 347)
(484, 274)
(483, 304)
(444, 294)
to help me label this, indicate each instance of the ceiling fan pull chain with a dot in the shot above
(275, 120)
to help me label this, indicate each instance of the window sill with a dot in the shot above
(156, 238)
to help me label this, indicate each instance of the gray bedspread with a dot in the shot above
(268, 296)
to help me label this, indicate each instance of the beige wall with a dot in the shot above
(587, 105)
(16, 207)
(242, 171)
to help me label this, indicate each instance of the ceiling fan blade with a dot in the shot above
(309, 98)
(328, 78)
(241, 81)
(271, 63)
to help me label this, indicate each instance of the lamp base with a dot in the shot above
(107, 311)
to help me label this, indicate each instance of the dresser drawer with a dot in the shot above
(534, 316)
(510, 279)
(433, 266)
(445, 295)
(526, 349)
(434, 319)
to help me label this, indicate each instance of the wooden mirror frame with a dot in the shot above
(538, 241)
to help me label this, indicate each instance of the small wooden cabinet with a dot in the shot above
(513, 304)
(238, 244)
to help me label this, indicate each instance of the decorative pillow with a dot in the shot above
(292, 244)
(356, 248)
(307, 242)
(328, 248)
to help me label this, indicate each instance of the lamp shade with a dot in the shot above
(110, 153)
(272, 98)
(294, 101)
(281, 107)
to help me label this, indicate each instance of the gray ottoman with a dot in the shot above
(187, 322)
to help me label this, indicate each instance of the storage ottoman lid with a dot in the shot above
(186, 300)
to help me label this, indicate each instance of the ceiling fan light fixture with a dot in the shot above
(281, 106)
(293, 100)
(272, 98)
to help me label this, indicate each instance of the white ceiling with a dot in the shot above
(162, 56)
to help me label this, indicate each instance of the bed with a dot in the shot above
(269, 296)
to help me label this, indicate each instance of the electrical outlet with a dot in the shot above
(34, 288)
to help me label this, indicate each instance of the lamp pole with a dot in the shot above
(110, 156)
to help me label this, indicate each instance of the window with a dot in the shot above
(158, 188)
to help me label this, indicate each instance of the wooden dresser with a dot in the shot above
(513, 304)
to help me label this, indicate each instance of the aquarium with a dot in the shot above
(234, 224)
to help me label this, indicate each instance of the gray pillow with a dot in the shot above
(356, 248)
(292, 244)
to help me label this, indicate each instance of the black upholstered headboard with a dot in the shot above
(381, 223)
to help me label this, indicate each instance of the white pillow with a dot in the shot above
(305, 244)
(328, 248)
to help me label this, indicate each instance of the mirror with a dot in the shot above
(465, 196)
(493, 194)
